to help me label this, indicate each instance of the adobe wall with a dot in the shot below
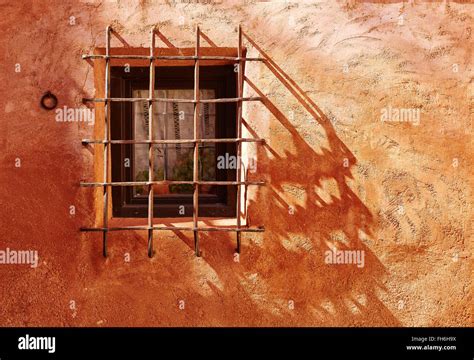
(338, 177)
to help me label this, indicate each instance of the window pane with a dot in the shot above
(175, 121)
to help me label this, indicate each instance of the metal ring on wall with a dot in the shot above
(49, 101)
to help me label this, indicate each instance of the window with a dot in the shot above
(173, 121)
(207, 83)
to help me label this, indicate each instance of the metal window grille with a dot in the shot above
(196, 141)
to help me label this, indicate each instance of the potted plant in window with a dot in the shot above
(158, 189)
(183, 170)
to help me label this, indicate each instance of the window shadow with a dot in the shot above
(287, 266)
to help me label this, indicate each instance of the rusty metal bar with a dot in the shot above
(196, 145)
(169, 182)
(177, 141)
(239, 134)
(107, 138)
(175, 228)
(150, 145)
(189, 101)
(171, 57)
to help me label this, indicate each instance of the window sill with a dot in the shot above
(176, 221)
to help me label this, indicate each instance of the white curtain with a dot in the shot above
(173, 121)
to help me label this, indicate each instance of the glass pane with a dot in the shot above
(175, 121)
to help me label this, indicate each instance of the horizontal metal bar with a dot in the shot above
(137, 100)
(176, 141)
(174, 228)
(169, 182)
(171, 57)
(190, 101)
(236, 58)
(257, 229)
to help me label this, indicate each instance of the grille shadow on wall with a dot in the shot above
(106, 184)
(289, 264)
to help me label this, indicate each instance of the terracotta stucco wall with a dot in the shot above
(337, 176)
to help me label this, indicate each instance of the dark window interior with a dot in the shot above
(172, 120)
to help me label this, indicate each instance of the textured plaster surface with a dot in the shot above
(398, 191)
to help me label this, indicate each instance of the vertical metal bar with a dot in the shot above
(107, 138)
(196, 146)
(239, 133)
(165, 153)
(151, 95)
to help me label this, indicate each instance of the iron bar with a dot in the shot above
(150, 145)
(174, 228)
(196, 145)
(171, 57)
(169, 182)
(239, 133)
(188, 101)
(174, 141)
(106, 144)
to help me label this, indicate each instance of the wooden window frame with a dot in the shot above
(223, 80)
